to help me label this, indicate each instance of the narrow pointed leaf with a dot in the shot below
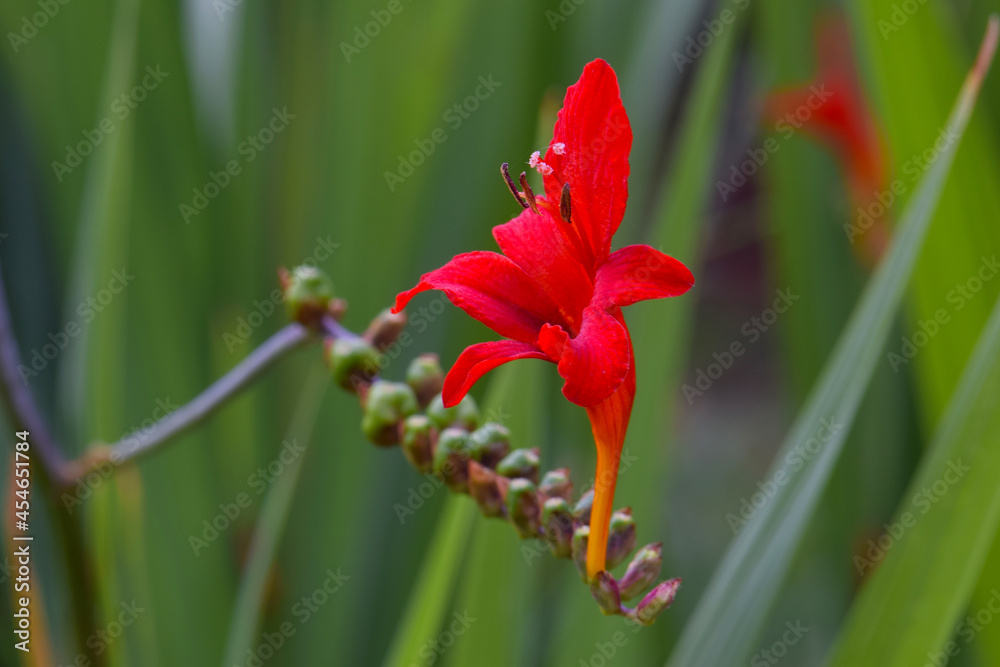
(733, 609)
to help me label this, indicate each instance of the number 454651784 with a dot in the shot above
(22, 473)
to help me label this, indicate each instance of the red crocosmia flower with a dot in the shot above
(833, 108)
(557, 290)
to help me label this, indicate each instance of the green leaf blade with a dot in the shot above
(747, 582)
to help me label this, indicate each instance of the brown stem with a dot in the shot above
(202, 406)
(25, 416)
(21, 406)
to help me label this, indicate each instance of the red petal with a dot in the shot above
(595, 131)
(595, 362)
(476, 360)
(492, 289)
(537, 242)
(639, 272)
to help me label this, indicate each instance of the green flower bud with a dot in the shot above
(451, 459)
(655, 602)
(426, 377)
(642, 571)
(557, 524)
(307, 292)
(417, 442)
(522, 507)
(583, 505)
(465, 415)
(604, 588)
(485, 488)
(557, 484)
(353, 362)
(580, 537)
(385, 329)
(621, 537)
(520, 463)
(386, 405)
(490, 443)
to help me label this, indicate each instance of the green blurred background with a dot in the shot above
(201, 300)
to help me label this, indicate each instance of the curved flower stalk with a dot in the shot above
(840, 117)
(557, 291)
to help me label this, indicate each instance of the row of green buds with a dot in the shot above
(477, 459)
(355, 361)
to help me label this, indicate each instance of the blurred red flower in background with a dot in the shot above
(843, 120)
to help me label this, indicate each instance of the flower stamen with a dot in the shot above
(565, 207)
(573, 232)
(536, 162)
(529, 194)
(512, 186)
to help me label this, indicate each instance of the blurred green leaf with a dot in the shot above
(936, 545)
(750, 576)
(270, 527)
(911, 64)
(431, 597)
(92, 400)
